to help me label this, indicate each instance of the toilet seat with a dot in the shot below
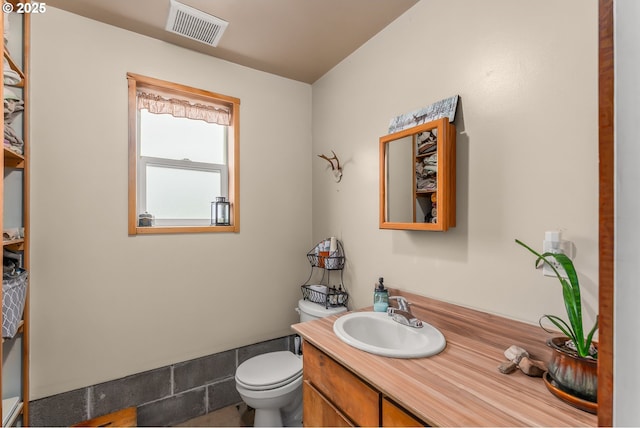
(269, 371)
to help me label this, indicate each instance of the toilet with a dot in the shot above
(271, 383)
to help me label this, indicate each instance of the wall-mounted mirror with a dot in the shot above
(417, 177)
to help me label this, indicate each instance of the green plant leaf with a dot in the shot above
(573, 300)
(571, 297)
(590, 337)
(561, 324)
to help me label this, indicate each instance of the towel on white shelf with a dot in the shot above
(11, 77)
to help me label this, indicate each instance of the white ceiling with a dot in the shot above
(297, 39)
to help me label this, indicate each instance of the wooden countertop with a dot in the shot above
(461, 386)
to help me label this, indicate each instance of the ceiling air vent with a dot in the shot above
(195, 24)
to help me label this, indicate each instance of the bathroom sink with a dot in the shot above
(377, 333)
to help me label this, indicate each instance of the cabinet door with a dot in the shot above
(357, 400)
(318, 411)
(418, 177)
(394, 416)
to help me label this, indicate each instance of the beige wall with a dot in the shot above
(526, 72)
(105, 305)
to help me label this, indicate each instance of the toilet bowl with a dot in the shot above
(271, 383)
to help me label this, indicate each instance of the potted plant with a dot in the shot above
(574, 364)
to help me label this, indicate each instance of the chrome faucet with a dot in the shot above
(402, 313)
(403, 304)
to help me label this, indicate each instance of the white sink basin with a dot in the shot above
(377, 333)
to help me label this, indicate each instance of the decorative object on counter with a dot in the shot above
(337, 169)
(533, 368)
(220, 212)
(327, 255)
(145, 220)
(573, 364)
(577, 376)
(507, 367)
(519, 358)
(515, 353)
(576, 402)
(437, 110)
(380, 297)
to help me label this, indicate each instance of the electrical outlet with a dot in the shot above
(553, 243)
(548, 271)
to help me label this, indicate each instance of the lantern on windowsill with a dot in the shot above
(220, 212)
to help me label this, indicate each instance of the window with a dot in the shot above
(183, 153)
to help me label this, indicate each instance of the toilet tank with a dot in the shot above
(312, 311)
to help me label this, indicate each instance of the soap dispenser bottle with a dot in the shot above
(380, 297)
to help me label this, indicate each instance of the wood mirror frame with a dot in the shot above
(606, 236)
(405, 204)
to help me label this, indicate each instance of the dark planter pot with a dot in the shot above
(575, 375)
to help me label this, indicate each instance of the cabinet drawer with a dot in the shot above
(318, 411)
(394, 416)
(341, 387)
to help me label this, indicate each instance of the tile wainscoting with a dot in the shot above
(165, 396)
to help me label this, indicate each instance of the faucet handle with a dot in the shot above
(406, 318)
(403, 304)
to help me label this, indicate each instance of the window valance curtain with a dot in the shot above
(158, 104)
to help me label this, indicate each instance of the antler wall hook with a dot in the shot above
(337, 169)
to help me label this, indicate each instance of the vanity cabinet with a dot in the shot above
(334, 396)
(319, 411)
(418, 177)
(461, 386)
(394, 416)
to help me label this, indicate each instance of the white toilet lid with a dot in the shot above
(270, 370)
(318, 310)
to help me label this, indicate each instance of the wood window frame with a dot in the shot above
(136, 81)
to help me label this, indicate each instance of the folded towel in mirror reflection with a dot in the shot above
(426, 170)
(426, 184)
(427, 141)
(427, 148)
(431, 160)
